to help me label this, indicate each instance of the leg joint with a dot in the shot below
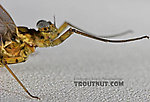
(74, 30)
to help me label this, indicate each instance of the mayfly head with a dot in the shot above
(47, 33)
(46, 27)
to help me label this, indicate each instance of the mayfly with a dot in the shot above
(17, 43)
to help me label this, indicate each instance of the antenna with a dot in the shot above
(54, 20)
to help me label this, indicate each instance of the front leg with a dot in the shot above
(62, 38)
(71, 31)
(67, 24)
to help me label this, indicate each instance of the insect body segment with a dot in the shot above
(16, 52)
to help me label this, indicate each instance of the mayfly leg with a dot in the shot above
(19, 81)
(106, 40)
(117, 34)
(70, 31)
(65, 24)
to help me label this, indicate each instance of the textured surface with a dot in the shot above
(50, 72)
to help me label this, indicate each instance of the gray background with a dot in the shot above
(50, 72)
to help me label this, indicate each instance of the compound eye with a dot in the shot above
(42, 24)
